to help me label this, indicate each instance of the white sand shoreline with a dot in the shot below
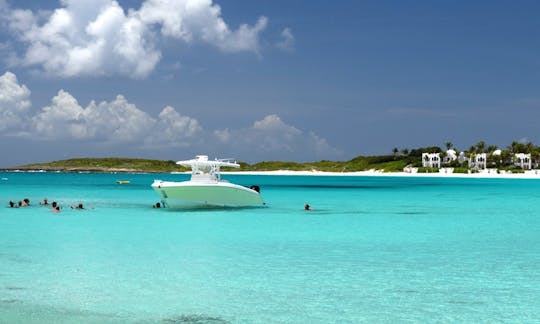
(373, 173)
(529, 174)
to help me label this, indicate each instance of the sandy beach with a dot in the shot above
(489, 174)
(530, 174)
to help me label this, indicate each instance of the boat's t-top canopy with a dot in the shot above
(201, 167)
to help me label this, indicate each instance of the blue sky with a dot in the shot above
(263, 80)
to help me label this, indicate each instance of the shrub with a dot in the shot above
(427, 170)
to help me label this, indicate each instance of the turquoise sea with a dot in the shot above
(372, 250)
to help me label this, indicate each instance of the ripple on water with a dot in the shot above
(10, 301)
(14, 288)
(196, 319)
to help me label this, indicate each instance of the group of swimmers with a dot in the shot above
(54, 205)
(56, 208)
(22, 203)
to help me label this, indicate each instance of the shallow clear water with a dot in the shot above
(374, 249)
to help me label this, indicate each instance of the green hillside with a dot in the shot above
(495, 158)
(383, 163)
(105, 165)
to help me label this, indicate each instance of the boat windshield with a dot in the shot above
(203, 169)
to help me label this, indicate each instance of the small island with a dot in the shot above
(516, 158)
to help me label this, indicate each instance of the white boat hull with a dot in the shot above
(190, 194)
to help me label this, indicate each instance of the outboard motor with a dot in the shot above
(256, 188)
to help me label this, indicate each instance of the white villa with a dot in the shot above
(450, 156)
(462, 158)
(431, 160)
(523, 160)
(479, 161)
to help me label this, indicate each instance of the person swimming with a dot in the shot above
(307, 207)
(26, 202)
(79, 206)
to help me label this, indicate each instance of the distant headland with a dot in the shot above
(479, 158)
(130, 165)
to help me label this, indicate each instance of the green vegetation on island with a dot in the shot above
(388, 163)
(104, 165)
(500, 159)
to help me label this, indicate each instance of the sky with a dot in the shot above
(261, 80)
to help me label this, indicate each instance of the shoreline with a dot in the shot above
(372, 173)
(530, 174)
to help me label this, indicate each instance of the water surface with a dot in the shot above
(374, 249)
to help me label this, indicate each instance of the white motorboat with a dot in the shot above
(206, 188)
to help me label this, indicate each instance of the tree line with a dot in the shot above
(504, 158)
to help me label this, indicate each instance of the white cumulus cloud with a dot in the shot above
(175, 124)
(191, 20)
(14, 102)
(271, 136)
(115, 121)
(121, 124)
(174, 130)
(97, 37)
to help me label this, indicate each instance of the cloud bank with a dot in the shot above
(14, 102)
(116, 121)
(120, 123)
(271, 137)
(99, 37)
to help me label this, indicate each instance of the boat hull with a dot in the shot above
(190, 194)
